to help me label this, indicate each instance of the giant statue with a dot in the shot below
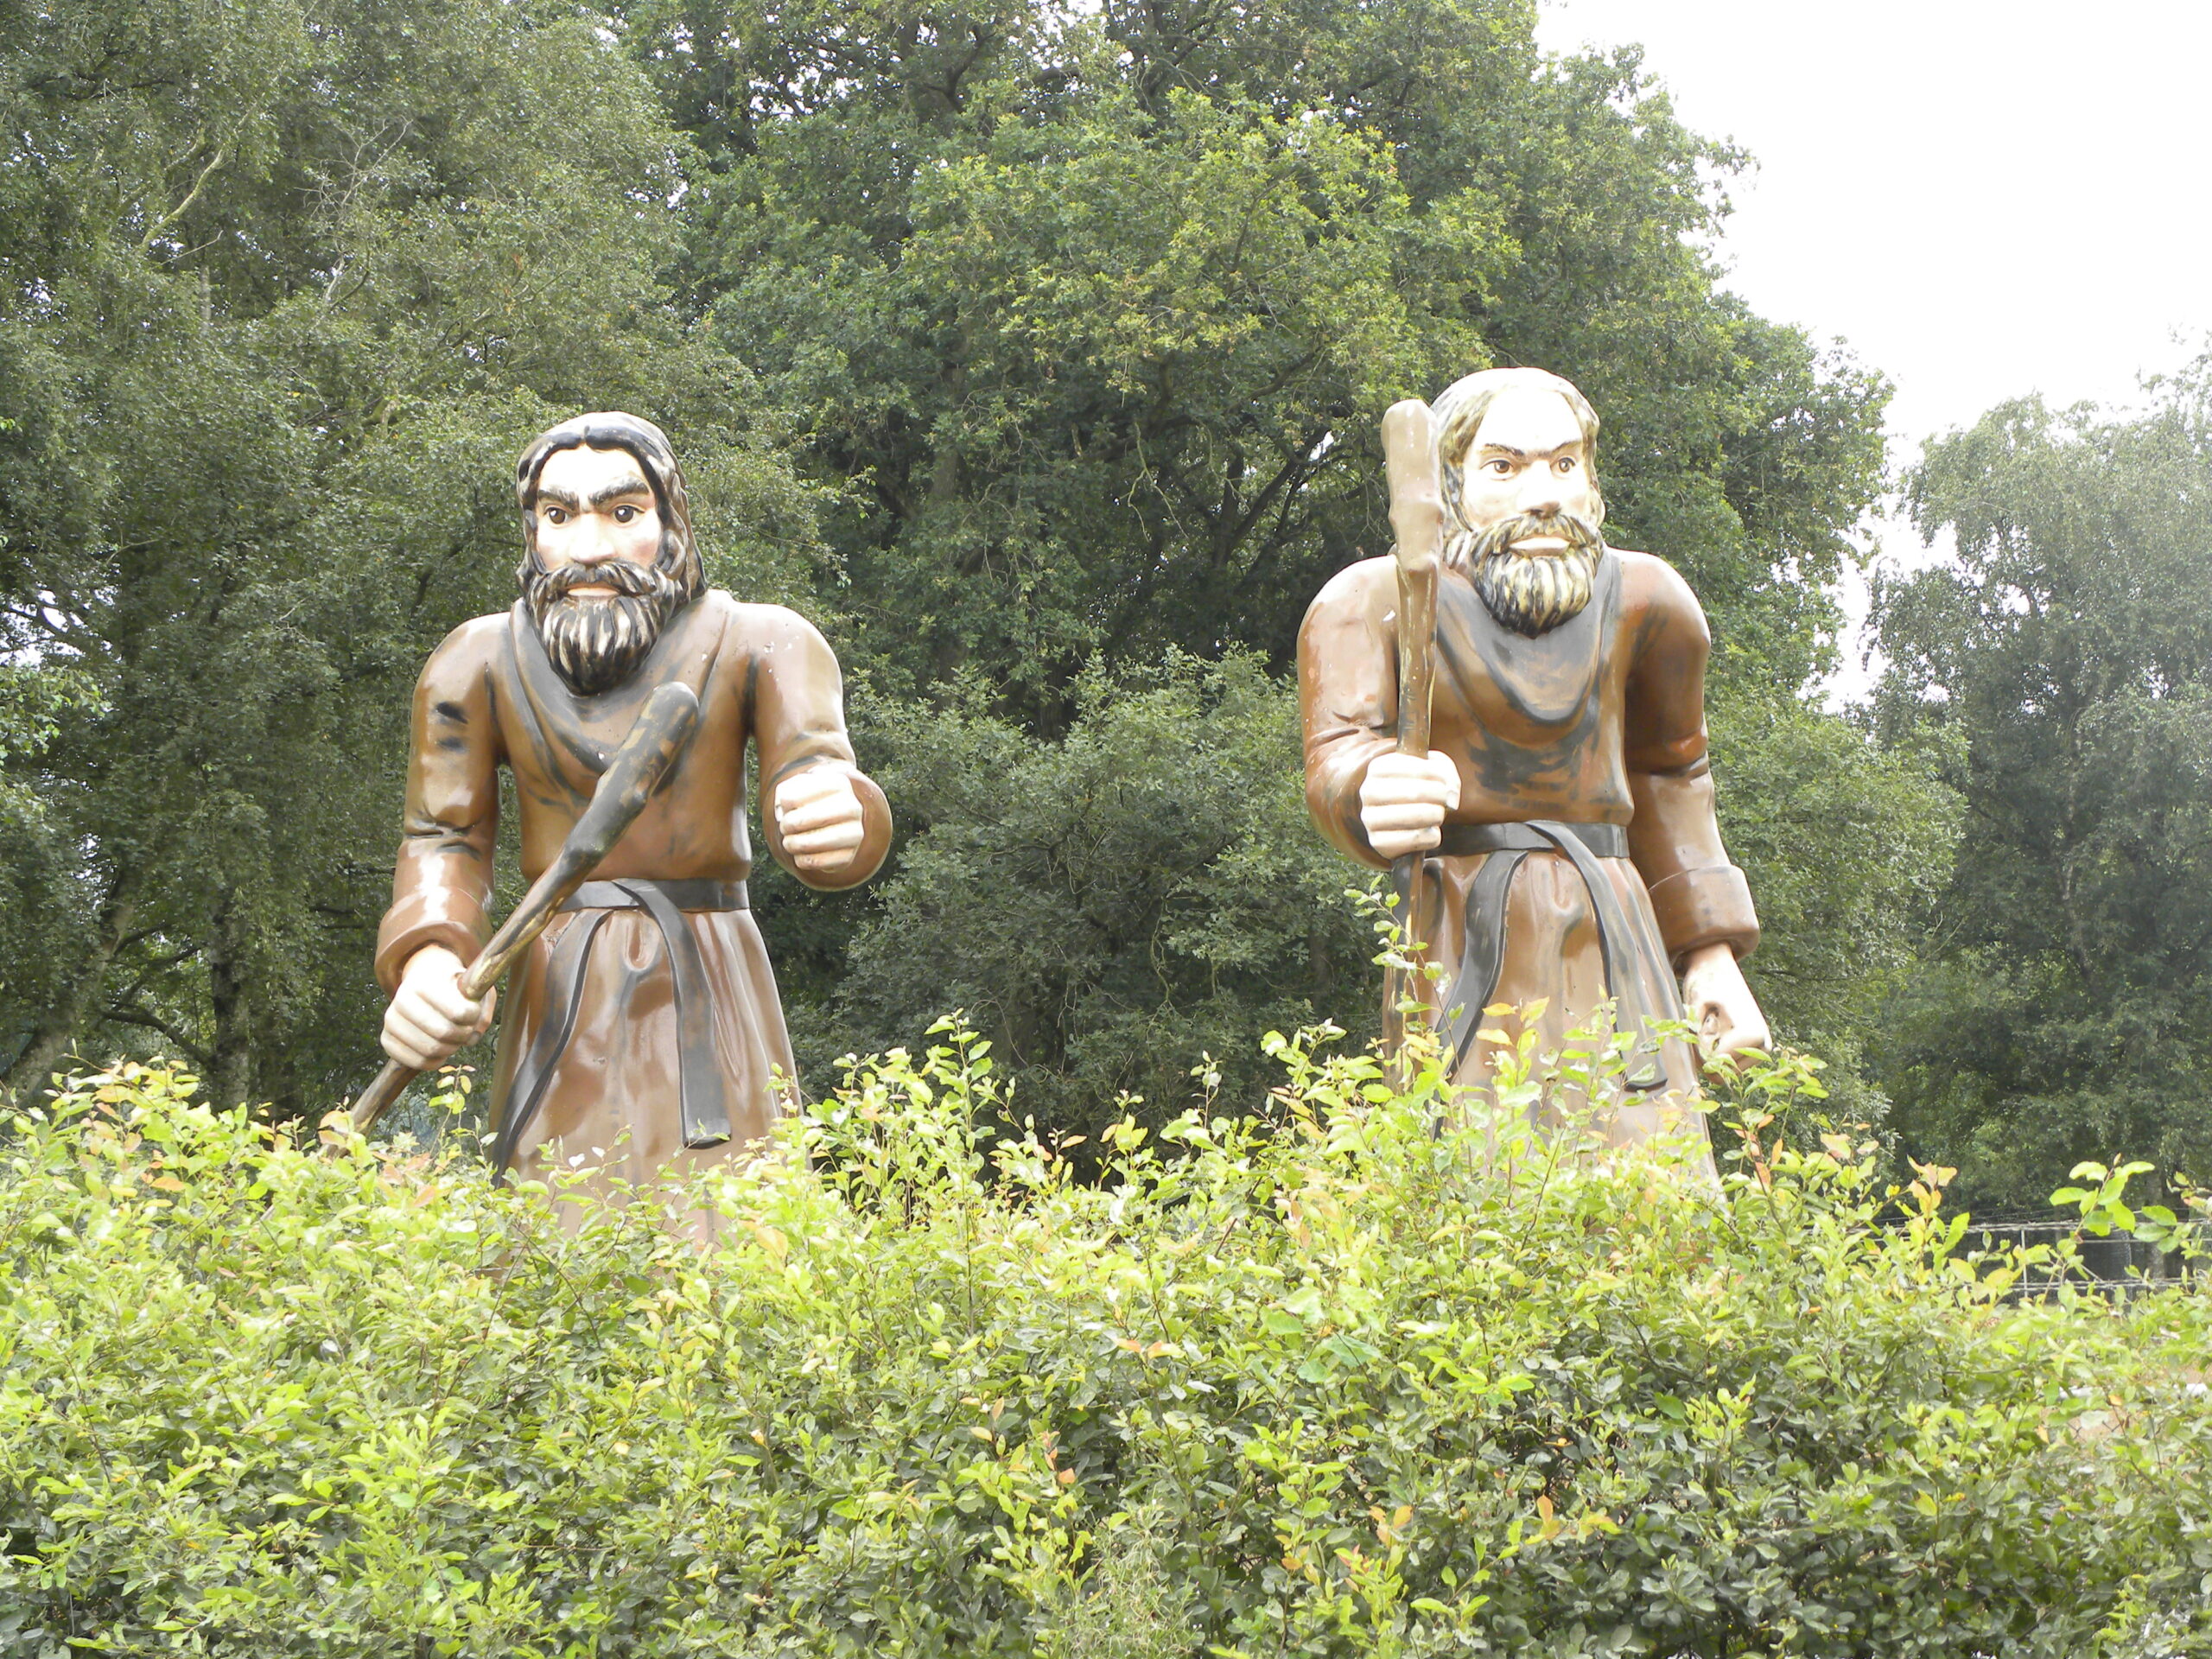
(643, 1033)
(1552, 820)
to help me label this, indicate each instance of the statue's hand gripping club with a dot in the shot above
(1405, 795)
(662, 729)
(1416, 518)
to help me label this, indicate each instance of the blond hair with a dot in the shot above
(1458, 416)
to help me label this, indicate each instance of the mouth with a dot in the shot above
(595, 590)
(1541, 546)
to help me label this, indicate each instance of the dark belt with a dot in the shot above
(1482, 955)
(703, 1098)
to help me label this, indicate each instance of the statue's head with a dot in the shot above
(608, 553)
(1515, 465)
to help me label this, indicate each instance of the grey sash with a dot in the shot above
(704, 1101)
(1483, 954)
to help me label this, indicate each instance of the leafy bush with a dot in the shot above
(1328, 1380)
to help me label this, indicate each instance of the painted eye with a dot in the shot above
(625, 514)
(556, 516)
(1498, 468)
(1566, 463)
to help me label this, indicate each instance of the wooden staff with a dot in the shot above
(664, 726)
(1416, 515)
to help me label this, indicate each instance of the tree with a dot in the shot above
(1848, 843)
(1088, 319)
(1089, 316)
(2063, 654)
(1110, 908)
(286, 285)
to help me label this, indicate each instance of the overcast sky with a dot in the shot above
(1981, 200)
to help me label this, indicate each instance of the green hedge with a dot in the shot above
(1331, 1381)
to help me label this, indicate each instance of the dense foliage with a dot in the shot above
(1067, 329)
(1848, 842)
(283, 287)
(1115, 909)
(1328, 1383)
(1091, 312)
(2062, 658)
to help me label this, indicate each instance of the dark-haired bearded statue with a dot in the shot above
(643, 1032)
(1566, 806)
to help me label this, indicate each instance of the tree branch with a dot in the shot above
(154, 1022)
(192, 195)
(129, 994)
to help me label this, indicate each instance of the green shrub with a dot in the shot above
(1331, 1380)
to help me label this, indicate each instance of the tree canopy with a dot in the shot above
(282, 288)
(1035, 353)
(2063, 655)
(1088, 317)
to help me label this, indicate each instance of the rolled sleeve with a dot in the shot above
(1696, 908)
(402, 934)
(1698, 895)
(442, 879)
(799, 723)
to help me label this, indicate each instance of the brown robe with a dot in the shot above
(489, 695)
(1599, 721)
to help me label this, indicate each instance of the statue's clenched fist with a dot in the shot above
(1721, 1003)
(429, 1017)
(818, 817)
(1403, 799)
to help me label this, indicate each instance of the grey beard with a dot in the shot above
(1534, 593)
(597, 644)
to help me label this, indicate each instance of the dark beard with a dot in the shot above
(597, 644)
(1534, 593)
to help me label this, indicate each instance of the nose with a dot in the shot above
(596, 545)
(1541, 491)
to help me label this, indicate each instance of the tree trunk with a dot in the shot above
(57, 1029)
(230, 994)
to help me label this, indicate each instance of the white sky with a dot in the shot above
(1981, 199)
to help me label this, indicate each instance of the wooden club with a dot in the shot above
(662, 729)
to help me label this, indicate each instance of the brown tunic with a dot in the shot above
(488, 696)
(1599, 721)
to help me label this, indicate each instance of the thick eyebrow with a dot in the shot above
(1523, 455)
(616, 491)
(560, 499)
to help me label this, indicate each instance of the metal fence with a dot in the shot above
(2116, 1263)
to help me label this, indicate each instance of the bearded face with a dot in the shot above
(1533, 593)
(1514, 451)
(608, 556)
(596, 641)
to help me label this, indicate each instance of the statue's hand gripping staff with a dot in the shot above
(1416, 516)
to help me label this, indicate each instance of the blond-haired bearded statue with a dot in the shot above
(1566, 807)
(643, 1032)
